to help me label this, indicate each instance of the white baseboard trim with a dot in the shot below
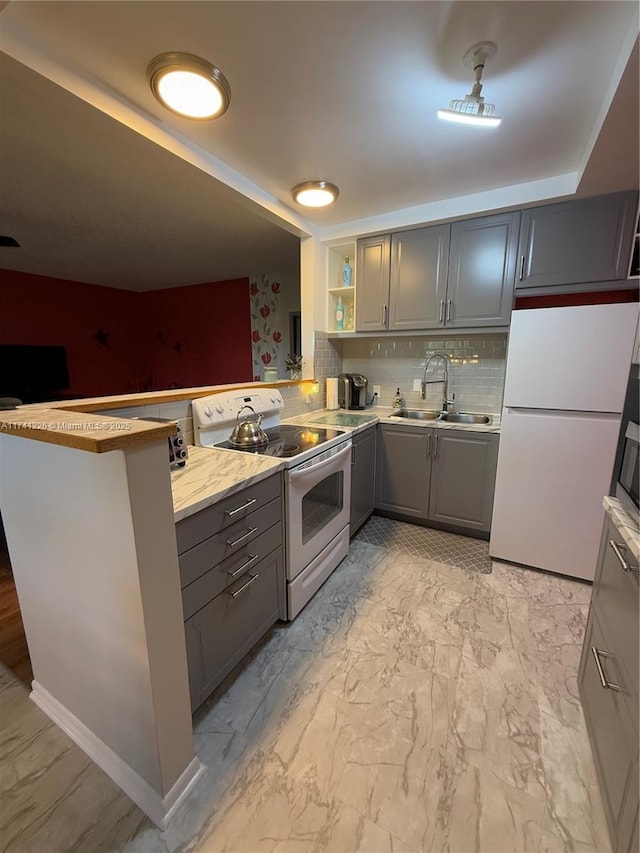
(158, 808)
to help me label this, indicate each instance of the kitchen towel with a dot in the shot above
(332, 393)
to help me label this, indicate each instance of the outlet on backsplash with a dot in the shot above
(376, 390)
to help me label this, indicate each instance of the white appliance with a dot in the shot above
(317, 483)
(565, 386)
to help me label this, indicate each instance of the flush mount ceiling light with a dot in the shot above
(472, 109)
(189, 86)
(315, 193)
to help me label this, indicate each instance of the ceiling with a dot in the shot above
(346, 91)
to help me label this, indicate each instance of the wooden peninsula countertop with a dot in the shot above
(80, 424)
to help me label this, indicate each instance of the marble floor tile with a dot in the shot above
(412, 706)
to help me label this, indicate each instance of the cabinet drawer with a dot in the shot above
(228, 572)
(614, 740)
(615, 602)
(208, 521)
(220, 634)
(231, 540)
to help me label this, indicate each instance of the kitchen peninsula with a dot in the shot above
(89, 519)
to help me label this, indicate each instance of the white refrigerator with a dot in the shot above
(567, 371)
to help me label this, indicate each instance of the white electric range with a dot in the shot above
(317, 483)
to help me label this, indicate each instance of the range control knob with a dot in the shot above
(181, 454)
(208, 411)
(219, 409)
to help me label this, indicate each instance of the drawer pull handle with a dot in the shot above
(240, 569)
(616, 546)
(231, 512)
(250, 532)
(244, 586)
(608, 685)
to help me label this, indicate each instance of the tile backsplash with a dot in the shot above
(476, 375)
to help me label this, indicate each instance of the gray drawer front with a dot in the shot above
(208, 521)
(198, 560)
(220, 634)
(614, 739)
(615, 602)
(212, 582)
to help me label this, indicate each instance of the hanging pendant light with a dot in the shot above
(473, 109)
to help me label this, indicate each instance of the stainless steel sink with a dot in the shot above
(465, 418)
(417, 414)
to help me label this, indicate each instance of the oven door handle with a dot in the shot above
(295, 475)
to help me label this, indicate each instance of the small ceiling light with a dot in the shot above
(189, 86)
(315, 193)
(472, 109)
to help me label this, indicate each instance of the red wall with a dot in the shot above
(210, 323)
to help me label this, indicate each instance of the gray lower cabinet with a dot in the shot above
(363, 477)
(221, 633)
(403, 470)
(232, 579)
(463, 476)
(482, 266)
(608, 684)
(576, 242)
(446, 477)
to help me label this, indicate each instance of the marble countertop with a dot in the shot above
(384, 414)
(627, 525)
(213, 474)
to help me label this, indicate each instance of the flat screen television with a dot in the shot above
(33, 373)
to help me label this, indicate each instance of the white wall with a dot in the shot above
(92, 544)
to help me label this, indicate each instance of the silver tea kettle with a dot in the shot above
(248, 432)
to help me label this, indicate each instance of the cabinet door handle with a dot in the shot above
(608, 685)
(249, 533)
(384, 315)
(435, 445)
(244, 586)
(429, 444)
(441, 320)
(245, 565)
(231, 512)
(616, 546)
(353, 455)
(522, 260)
(449, 310)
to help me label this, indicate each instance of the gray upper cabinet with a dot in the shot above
(482, 265)
(463, 476)
(403, 469)
(576, 242)
(363, 477)
(372, 265)
(418, 278)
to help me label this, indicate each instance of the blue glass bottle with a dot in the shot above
(347, 273)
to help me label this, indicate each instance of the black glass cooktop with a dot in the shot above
(288, 440)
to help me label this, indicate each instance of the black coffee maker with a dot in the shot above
(352, 390)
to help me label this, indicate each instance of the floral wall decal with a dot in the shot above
(266, 332)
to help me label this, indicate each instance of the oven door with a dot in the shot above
(318, 499)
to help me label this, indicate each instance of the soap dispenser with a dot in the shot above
(398, 402)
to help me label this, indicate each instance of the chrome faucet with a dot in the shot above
(446, 402)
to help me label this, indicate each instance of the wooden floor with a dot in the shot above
(14, 652)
